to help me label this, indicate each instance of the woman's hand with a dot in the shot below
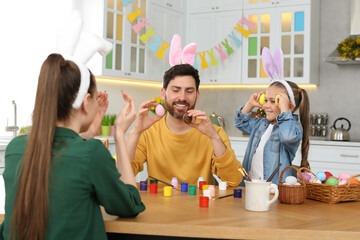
(126, 116)
(103, 103)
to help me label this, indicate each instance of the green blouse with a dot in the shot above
(83, 177)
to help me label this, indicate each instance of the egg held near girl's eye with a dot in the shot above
(262, 99)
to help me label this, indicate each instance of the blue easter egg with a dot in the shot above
(321, 176)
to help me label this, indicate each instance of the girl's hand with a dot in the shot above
(202, 123)
(252, 102)
(283, 102)
(143, 120)
(126, 116)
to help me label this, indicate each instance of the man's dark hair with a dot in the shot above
(181, 70)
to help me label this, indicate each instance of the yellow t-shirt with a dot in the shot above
(185, 156)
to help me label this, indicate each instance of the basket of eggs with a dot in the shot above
(292, 191)
(325, 187)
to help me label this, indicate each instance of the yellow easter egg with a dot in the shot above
(277, 100)
(262, 99)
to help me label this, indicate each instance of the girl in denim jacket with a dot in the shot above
(274, 139)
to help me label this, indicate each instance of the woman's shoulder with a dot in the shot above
(17, 144)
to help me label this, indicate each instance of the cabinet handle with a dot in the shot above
(217, 7)
(212, 8)
(272, 3)
(170, 5)
(349, 155)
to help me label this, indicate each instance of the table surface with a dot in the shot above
(181, 216)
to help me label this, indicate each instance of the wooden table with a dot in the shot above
(181, 216)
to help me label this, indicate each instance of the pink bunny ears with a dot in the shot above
(274, 69)
(178, 56)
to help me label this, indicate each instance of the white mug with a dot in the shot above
(257, 194)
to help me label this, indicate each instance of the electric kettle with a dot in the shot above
(217, 120)
(340, 134)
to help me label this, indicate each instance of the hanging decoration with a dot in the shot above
(223, 49)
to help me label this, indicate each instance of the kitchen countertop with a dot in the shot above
(312, 142)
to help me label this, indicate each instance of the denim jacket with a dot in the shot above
(281, 147)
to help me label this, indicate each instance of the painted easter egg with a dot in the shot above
(344, 176)
(328, 174)
(354, 181)
(321, 176)
(290, 180)
(307, 176)
(262, 99)
(277, 99)
(332, 181)
(159, 110)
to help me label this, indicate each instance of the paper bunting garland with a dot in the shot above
(223, 49)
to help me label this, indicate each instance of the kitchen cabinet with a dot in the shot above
(128, 57)
(291, 25)
(174, 5)
(202, 6)
(250, 4)
(208, 26)
(332, 156)
(166, 22)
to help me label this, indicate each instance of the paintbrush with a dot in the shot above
(229, 195)
(273, 174)
(165, 183)
(244, 173)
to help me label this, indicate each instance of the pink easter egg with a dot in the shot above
(159, 110)
(344, 176)
(307, 176)
(342, 181)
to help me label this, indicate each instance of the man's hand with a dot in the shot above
(203, 123)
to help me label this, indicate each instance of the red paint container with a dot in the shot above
(201, 183)
(153, 187)
(204, 201)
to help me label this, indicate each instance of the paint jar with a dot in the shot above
(167, 191)
(184, 187)
(222, 186)
(174, 182)
(200, 179)
(153, 186)
(205, 186)
(207, 193)
(204, 201)
(192, 190)
(201, 184)
(212, 189)
(143, 185)
(237, 193)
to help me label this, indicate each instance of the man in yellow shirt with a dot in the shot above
(173, 148)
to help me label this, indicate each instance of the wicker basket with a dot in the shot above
(292, 194)
(333, 193)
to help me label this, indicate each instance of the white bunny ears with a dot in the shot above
(274, 69)
(178, 56)
(79, 46)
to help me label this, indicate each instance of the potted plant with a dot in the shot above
(112, 122)
(105, 125)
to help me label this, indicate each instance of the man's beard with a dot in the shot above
(175, 112)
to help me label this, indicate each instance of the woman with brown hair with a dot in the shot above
(54, 179)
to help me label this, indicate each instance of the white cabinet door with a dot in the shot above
(201, 6)
(2, 161)
(128, 56)
(166, 23)
(239, 148)
(174, 5)
(288, 28)
(334, 159)
(229, 5)
(251, 4)
(215, 27)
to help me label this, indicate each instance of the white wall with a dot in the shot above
(28, 34)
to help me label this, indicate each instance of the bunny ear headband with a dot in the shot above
(178, 56)
(274, 69)
(79, 46)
